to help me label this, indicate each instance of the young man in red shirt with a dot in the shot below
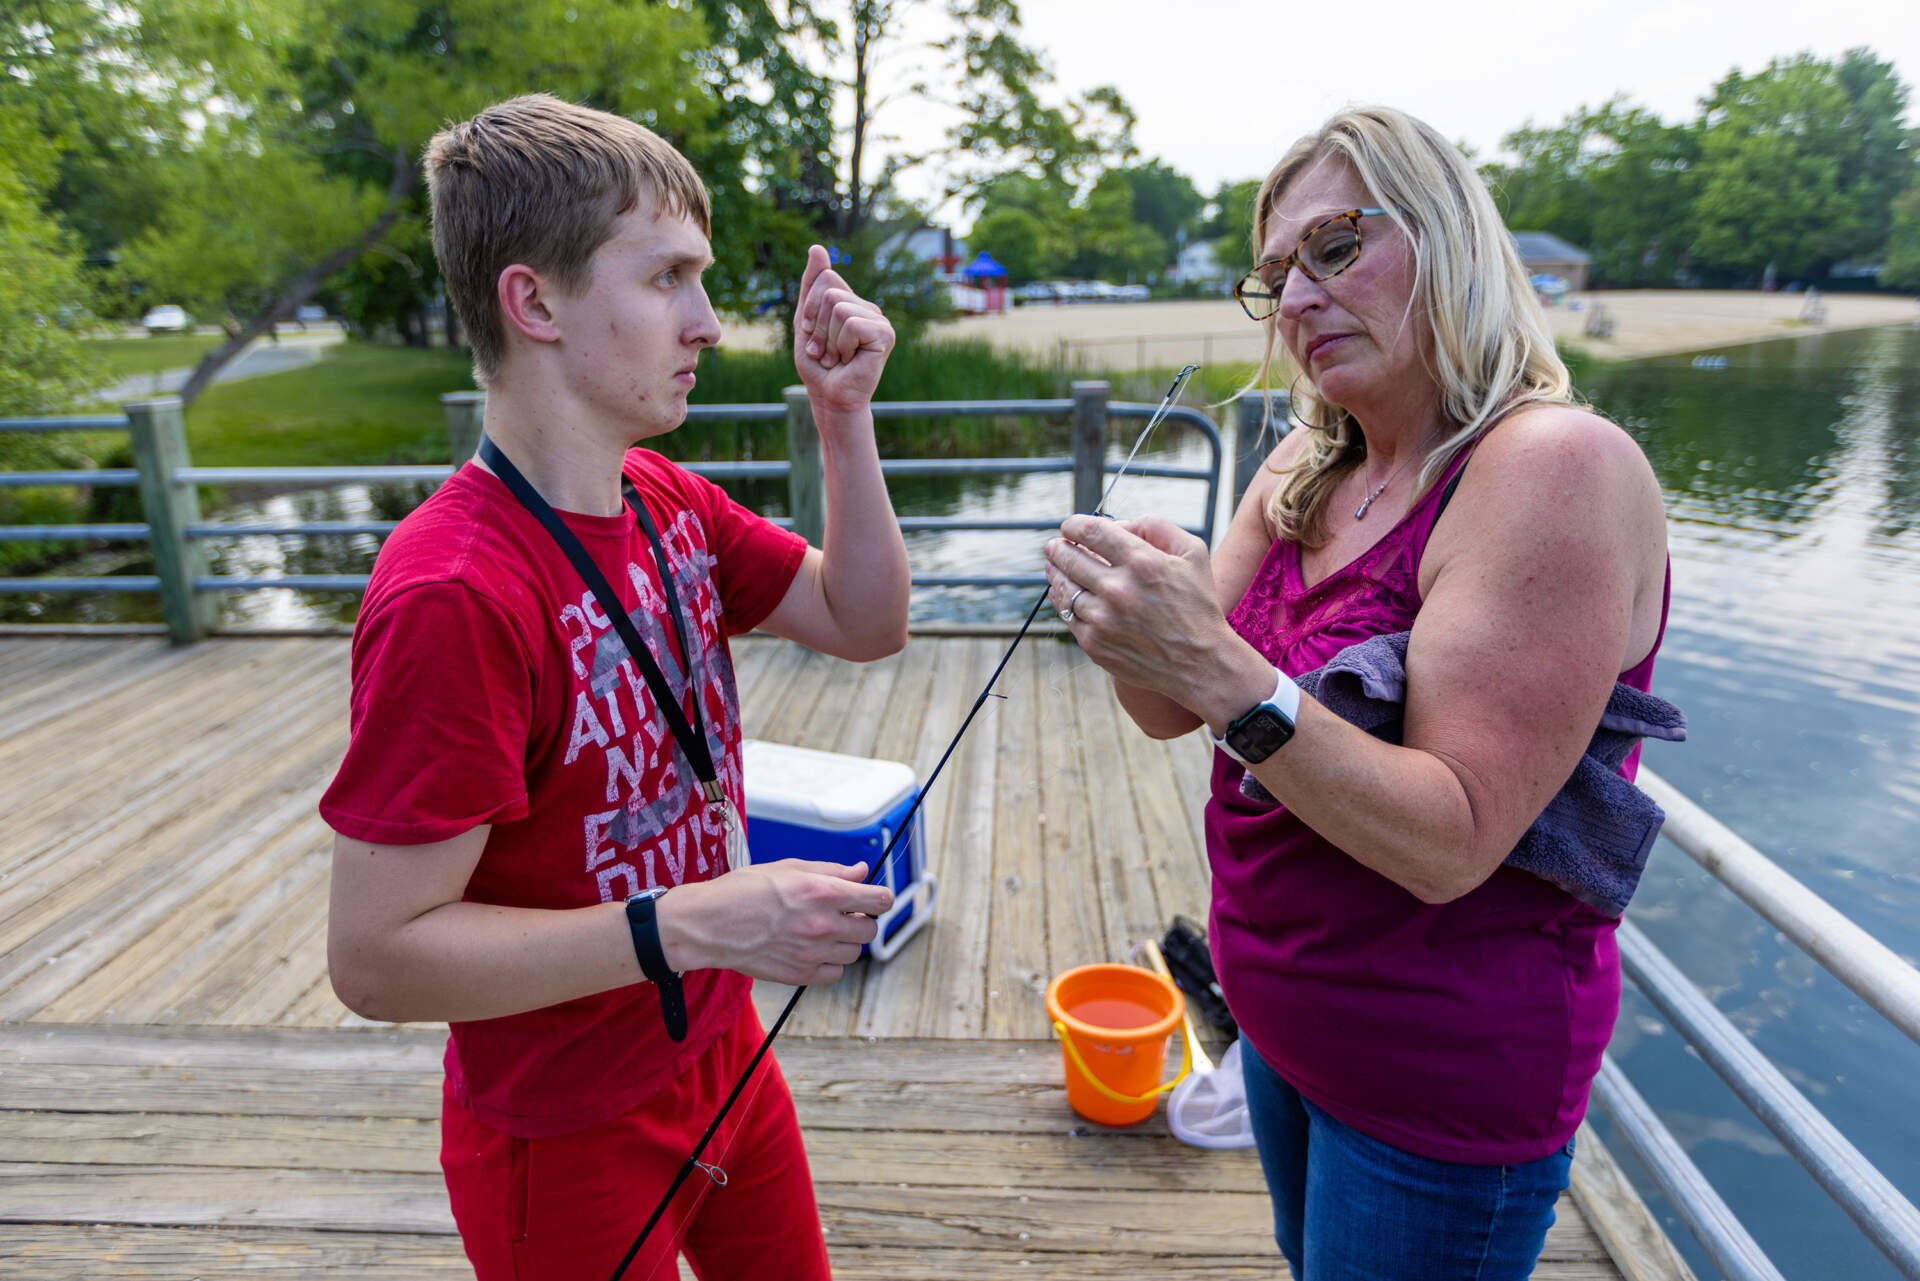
(529, 840)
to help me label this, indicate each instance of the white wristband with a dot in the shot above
(1264, 734)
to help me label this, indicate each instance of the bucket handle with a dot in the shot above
(1073, 1052)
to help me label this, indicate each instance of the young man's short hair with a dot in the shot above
(539, 181)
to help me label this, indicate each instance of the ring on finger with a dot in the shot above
(1066, 615)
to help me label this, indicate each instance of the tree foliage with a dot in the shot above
(1900, 269)
(1795, 167)
(1614, 180)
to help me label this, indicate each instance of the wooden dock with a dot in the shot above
(183, 1097)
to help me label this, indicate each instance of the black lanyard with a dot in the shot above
(692, 738)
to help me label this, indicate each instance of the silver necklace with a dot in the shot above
(1361, 511)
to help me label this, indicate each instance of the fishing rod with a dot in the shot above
(885, 861)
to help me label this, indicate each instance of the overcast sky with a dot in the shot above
(1221, 88)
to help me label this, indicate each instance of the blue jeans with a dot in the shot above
(1347, 1207)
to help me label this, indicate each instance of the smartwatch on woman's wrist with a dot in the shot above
(1264, 728)
(645, 928)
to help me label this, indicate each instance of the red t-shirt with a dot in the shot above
(489, 687)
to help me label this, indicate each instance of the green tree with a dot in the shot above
(1900, 268)
(317, 115)
(1614, 180)
(1229, 220)
(1784, 178)
(1110, 240)
(1879, 157)
(42, 296)
(1163, 198)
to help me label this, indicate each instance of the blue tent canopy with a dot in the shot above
(983, 266)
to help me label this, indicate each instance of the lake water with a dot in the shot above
(1793, 490)
(1792, 479)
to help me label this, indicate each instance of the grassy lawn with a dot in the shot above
(359, 403)
(117, 358)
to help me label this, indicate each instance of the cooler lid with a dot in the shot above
(820, 789)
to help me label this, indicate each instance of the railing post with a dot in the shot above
(465, 411)
(1089, 444)
(1250, 443)
(159, 431)
(806, 480)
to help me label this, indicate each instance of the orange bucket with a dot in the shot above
(1113, 1022)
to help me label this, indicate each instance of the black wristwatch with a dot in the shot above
(653, 960)
(1265, 728)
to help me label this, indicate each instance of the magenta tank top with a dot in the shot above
(1468, 1031)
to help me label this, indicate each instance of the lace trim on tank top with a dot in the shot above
(1375, 593)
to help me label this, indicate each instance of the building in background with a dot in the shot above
(1545, 254)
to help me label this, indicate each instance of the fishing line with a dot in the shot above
(693, 1163)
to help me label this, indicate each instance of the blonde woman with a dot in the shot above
(1424, 1022)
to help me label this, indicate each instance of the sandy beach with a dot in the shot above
(1645, 323)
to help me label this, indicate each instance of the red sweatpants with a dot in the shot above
(567, 1208)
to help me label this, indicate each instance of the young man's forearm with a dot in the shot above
(864, 568)
(464, 961)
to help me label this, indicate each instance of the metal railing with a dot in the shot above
(1851, 955)
(174, 529)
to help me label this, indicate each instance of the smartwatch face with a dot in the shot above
(1262, 733)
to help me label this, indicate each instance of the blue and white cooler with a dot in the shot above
(803, 803)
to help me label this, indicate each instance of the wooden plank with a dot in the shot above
(406, 1145)
(76, 837)
(769, 690)
(317, 1007)
(797, 695)
(1176, 867)
(1076, 932)
(142, 660)
(953, 997)
(33, 673)
(359, 1201)
(68, 944)
(31, 1252)
(879, 1263)
(43, 788)
(395, 1049)
(81, 1252)
(1127, 904)
(865, 717)
(150, 981)
(410, 1145)
(1191, 756)
(750, 655)
(1197, 1224)
(1607, 1201)
(262, 945)
(928, 699)
(275, 989)
(1017, 972)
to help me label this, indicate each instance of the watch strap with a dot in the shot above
(1285, 701)
(644, 924)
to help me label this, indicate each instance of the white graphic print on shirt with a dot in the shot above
(659, 829)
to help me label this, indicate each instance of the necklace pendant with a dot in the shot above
(1361, 511)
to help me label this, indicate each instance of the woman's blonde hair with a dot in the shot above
(1491, 349)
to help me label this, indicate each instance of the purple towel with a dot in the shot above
(1592, 839)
